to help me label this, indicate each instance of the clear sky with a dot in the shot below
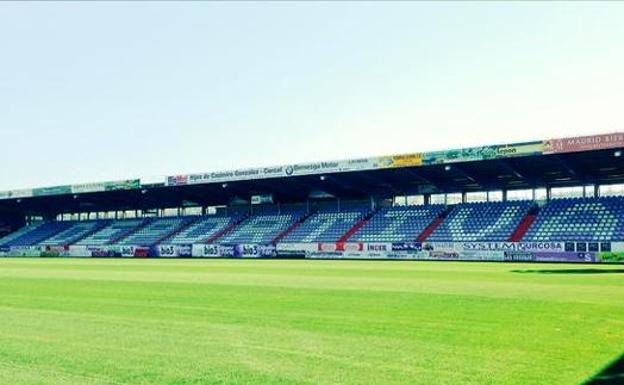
(104, 91)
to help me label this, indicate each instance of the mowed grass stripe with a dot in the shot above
(304, 322)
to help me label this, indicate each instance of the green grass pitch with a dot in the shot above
(105, 321)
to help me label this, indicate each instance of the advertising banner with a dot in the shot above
(464, 251)
(74, 189)
(341, 246)
(24, 251)
(255, 251)
(234, 251)
(13, 194)
(295, 249)
(357, 250)
(212, 251)
(584, 143)
(569, 256)
(129, 184)
(56, 190)
(407, 160)
(173, 251)
(111, 251)
(87, 188)
(360, 164)
(483, 153)
(614, 255)
(262, 199)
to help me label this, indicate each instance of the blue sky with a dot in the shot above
(102, 91)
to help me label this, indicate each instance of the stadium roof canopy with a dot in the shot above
(590, 160)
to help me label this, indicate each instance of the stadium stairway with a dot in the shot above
(188, 223)
(434, 225)
(133, 230)
(358, 226)
(524, 226)
(289, 230)
(228, 229)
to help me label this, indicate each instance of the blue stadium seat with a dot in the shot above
(202, 230)
(35, 234)
(111, 233)
(579, 219)
(398, 224)
(483, 221)
(327, 225)
(6, 241)
(262, 229)
(155, 231)
(76, 231)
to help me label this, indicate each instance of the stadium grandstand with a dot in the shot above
(551, 200)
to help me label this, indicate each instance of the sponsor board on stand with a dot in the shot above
(584, 143)
(360, 164)
(106, 186)
(15, 194)
(483, 153)
(55, 190)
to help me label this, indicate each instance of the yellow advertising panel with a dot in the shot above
(407, 160)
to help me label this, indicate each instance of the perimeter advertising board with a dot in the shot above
(466, 251)
(171, 251)
(607, 252)
(614, 255)
(234, 251)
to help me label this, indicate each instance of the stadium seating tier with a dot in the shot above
(483, 221)
(327, 226)
(398, 224)
(579, 219)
